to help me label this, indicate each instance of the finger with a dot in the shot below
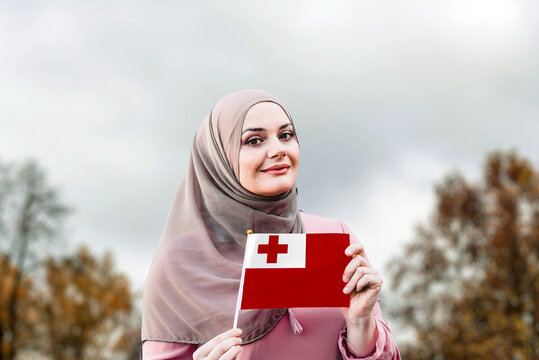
(231, 353)
(357, 275)
(369, 281)
(223, 347)
(205, 349)
(355, 248)
(356, 262)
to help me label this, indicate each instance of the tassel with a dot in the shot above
(294, 323)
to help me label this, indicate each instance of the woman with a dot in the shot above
(241, 176)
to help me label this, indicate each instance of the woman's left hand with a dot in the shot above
(363, 282)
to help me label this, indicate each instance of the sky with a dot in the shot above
(388, 97)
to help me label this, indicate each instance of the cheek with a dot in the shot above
(247, 161)
(248, 164)
(294, 152)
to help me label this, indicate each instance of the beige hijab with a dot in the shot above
(191, 290)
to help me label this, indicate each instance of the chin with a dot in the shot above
(277, 190)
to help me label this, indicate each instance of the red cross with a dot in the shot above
(273, 248)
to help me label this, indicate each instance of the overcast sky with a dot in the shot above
(388, 97)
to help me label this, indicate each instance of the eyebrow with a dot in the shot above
(262, 129)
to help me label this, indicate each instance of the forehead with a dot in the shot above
(265, 114)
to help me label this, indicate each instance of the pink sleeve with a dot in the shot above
(159, 350)
(385, 348)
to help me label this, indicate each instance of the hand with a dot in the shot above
(224, 346)
(363, 283)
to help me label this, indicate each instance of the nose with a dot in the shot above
(276, 149)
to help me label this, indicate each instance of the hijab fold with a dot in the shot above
(192, 287)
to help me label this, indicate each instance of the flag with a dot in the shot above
(294, 270)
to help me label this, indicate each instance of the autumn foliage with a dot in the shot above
(83, 306)
(83, 310)
(23, 299)
(468, 284)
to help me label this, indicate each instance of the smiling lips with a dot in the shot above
(277, 169)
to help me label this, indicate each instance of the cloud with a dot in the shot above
(387, 98)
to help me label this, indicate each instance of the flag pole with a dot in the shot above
(240, 291)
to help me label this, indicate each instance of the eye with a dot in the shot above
(255, 140)
(287, 135)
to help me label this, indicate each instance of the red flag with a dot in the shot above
(294, 270)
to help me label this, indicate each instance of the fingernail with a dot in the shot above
(345, 290)
(345, 278)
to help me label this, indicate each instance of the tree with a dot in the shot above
(71, 307)
(468, 283)
(30, 213)
(85, 308)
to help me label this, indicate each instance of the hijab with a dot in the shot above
(192, 286)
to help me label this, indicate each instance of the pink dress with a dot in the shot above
(323, 335)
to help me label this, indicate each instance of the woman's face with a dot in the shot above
(269, 152)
